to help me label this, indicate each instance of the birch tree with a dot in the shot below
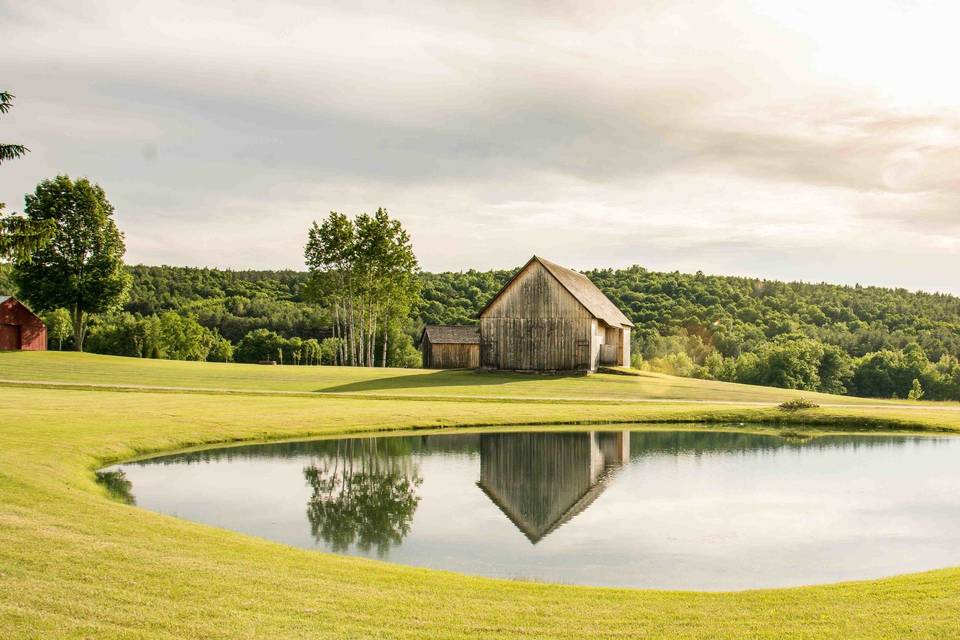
(364, 270)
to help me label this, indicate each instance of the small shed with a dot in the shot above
(450, 347)
(20, 328)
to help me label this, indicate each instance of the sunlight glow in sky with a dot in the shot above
(803, 141)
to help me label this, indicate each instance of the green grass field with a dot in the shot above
(75, 564)
(68, 367)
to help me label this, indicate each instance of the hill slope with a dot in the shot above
(77, 368)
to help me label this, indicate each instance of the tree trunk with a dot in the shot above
(384, 359)
(371, 342)
(353, 342)
(336, 330)
(77, 316)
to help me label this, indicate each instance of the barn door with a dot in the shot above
(608, 355)
(583, 355)
(9, 337)
(488, 344)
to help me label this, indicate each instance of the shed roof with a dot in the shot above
(581, 288)
(4, 299)
(452, 334)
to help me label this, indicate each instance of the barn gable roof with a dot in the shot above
(580, 287)
(17, 303)
(452, 334)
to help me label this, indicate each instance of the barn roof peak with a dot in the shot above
(580, 287)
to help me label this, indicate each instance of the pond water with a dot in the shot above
(677, 510)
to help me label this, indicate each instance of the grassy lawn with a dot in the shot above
(76, 564)
(107, 370)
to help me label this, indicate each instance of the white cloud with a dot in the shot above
(815, 141)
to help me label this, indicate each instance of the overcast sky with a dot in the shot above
(794, 140)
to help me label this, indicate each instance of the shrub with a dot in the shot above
(798, 404)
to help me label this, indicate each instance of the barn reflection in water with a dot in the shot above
(542, 480)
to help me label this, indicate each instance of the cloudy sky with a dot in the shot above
(808, 141)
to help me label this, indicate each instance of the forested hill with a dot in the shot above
(736, 314)
(866, 340)
(234, 302)
(870, 341)
(732, 314)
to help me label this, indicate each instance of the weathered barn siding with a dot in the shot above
(536, 324)
(625, 346)
(450, 356)
(20, 328)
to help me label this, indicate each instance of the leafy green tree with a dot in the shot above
(311, 351)
(59, 327)
(294, 347)
(221, 349)
(182, 338)
(406, 355)
(329, 347)
(124, 334)
(258, 346)
(7, 287)
(365, 271)
(916, 390)
(81, 269)
(330, 256)
(879, 374)
(791, 362)
(835, 370)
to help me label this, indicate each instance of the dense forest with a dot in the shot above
(869, 341)
(233, 302)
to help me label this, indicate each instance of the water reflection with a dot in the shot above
(364, 493)
(542, 480)
(685, 509)
(117, 485)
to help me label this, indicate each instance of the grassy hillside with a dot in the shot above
(55, 366)
(75, 564)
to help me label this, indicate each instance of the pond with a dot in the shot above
(692, 509)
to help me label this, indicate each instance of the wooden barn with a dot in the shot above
(550, 318)
(20, 328)
(450, 347)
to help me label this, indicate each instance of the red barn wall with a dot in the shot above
(20, 328)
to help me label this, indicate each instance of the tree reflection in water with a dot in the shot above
(364, 493)
(117, 485)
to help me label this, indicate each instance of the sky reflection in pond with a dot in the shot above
(664, 509)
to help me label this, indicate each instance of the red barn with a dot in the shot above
(20, 328)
